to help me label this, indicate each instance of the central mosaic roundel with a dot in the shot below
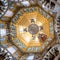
(33, 29)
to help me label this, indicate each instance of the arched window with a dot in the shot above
(31, 57)
(2, 32)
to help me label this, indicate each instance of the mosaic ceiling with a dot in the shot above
(28, 28)
(32, 29)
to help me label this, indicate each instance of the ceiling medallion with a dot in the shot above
(33, 29)
(3, 7)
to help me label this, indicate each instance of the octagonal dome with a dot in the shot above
(32, 29)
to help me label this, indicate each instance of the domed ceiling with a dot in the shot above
(32, 29)
(29, 28)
